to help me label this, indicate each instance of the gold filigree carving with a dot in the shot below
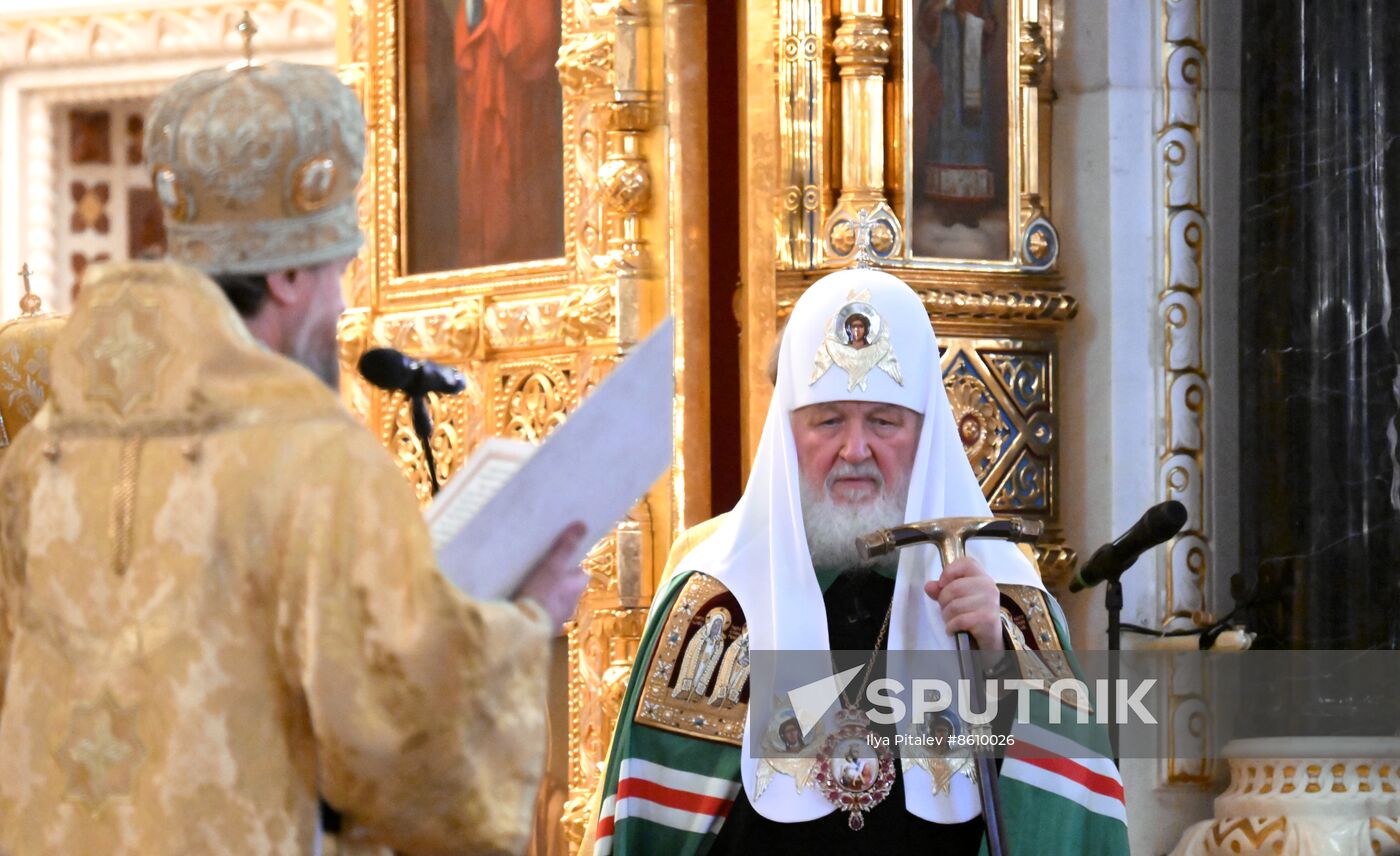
(1017, 305)
(1055, 560)
(532, 399)
(589, 315)
(534, 337)
(979, 424)
(626, 186)
(521, 322)
(463, 328)
(1034, 53)
(586, 62)
(862, 227)
(603, 644)
(861, 43)
(605, 66)
(802, 92)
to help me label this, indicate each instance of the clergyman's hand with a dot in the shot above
(553, 583)
(970, 602)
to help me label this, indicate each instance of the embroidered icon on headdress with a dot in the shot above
(948, 753)
(857, 341)
(785, 749)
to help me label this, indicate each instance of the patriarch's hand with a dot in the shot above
(970, 602)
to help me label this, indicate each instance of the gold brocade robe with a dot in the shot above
(219, 600)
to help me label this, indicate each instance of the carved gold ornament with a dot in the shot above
(857, 341)
(980, 427)
(1034, 53)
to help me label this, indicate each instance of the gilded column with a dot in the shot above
(863, 217)
(1038, 244)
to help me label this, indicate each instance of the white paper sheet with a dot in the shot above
(492, 465)
(593, 468)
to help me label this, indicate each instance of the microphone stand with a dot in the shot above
(423, 427)
(1113, 602)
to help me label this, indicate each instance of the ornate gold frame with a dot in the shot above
(845, 113)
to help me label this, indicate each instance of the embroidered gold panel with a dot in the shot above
(697, 680)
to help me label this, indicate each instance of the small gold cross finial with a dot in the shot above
(29, 304)
(247, 29)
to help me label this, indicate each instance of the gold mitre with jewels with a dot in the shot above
(256, 167)
(26, 344)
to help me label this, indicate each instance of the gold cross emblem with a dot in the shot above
(123, 354)
(102, 752)
(29, 304)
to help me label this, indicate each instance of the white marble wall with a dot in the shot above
(1109, 206)
(56, 55)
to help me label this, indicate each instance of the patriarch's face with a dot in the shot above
(855, 459)
(848, 451)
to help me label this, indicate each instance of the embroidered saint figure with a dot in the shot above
(733, 673)
(702, 655)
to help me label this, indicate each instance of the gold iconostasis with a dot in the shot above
(547, 180)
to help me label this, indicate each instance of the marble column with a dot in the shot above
(1319, 357)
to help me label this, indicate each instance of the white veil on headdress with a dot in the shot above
(760, 551)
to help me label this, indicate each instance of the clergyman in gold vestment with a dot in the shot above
(219, 600)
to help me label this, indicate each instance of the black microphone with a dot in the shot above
(389, 369)
(1161, 522)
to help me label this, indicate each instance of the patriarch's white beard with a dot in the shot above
(832, 528)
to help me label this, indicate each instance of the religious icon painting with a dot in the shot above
(942, 728)
(857, 342)
(785, 733)
(857, 765)
(482, 140)
(702, 655)
(960, 169)
(854, 771)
